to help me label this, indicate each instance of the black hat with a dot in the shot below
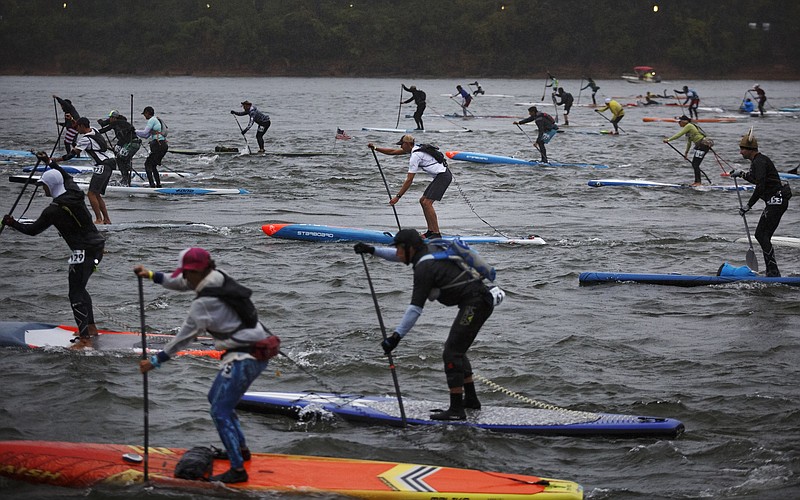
(83, 121)
(149, 109)
(684, 118)
(408, 238)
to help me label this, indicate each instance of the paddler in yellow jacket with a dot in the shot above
(616, 110)
(693, 136)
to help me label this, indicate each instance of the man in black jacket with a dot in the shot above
(128, 143)
(69, 215)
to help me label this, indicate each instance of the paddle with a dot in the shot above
(22, 191)
(383, 332)
(794, 170)
(463, 109)
(388, 191)
(144, 383)
(687, 159)
(608, 120)
(580, 90)
(544, 90)
(751, 260)
(399, 107)
(555, 106)
(243, 135)
(529, 137)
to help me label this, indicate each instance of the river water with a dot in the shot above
(721, 359)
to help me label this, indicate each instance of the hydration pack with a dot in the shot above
(729, 270)
(237, 297)
(467, 259)
(434, 152)
(164, 127)
(550, 122)
(196, 464)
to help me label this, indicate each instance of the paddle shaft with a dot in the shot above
(464, 109)
(399, 106)
(580, 90)
(529, 137)
(144, 383)
(388, 191)
(750, 258)
(383, 332)
(243, 135)
(690, 161)
(21, 192)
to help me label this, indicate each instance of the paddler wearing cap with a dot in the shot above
(446, 282)
(617, 111)
(418, 96)
(694, 136)
(259, 118)
(771, 189)
(128, 143)
(153, 130)
(421, 161)
(69, 215)
(224, 310)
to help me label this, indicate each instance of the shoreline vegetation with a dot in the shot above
(682, 39)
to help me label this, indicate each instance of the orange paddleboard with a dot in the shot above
(82, 465)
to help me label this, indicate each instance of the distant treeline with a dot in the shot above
(480, 38)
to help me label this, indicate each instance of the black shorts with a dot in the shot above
(101, 176)
(437, 187)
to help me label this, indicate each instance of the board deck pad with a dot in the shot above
(522, 420)
(84, 465)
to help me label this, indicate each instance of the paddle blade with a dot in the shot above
(752, 261)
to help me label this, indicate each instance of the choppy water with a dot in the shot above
(721, 359)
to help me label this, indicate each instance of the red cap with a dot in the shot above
(192, 259)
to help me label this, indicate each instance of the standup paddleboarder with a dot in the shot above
(693, 136)
(466, 98)
(71, 115)
(762, 97)
(692, 98)
(566, 100)
(224, 310)
(418, 97)
(450, 285)
(422, 161)
(546, 126)
(128, 143)
(259, 118)
(771, 189)
(617, 111)
(157, 133)
(590, 84)
(72, 220)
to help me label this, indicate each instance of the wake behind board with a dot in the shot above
(685, 280)
(86, 465)
(44, 335)
(385, 410)
(510, 160)
(650, 184)
(315, 232)
(415, 131)
(146, 190)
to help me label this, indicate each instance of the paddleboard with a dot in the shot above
(686, 280)
(784, 175)
(526, 420)
(721, 119)
(650, 184)
(454, 115)
(510, 160)
(415, 131)
(475, 96)
(86, 465)
(316, 232)
(43, 335)
(772, 112)
(780, 241)
(122, 226)
(146, 190)
(17, 153)
(88, 170)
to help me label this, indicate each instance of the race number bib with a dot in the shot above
(77, 257)
(99, 169)
(497, 295)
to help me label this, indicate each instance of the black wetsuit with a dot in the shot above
(418, 97)
(69, 215)
(775, 194)
(475, 305)
(544, 123)
(128, 143)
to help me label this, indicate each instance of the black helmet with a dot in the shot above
(408, 238)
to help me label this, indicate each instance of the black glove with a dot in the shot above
(363, 248)
(744, 210)
(8, 220)
(244, 132)
(389, 343)
(233, 112)
(736, 173)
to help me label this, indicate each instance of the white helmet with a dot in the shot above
(608, 100)
(755, 85)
